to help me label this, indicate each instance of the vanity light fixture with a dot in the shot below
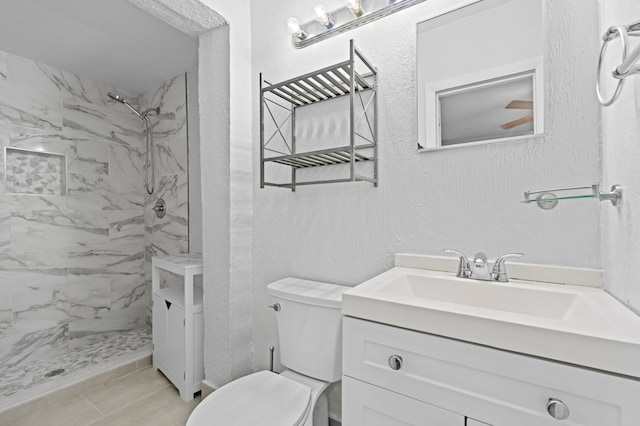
(295, 29)
(353, 14)
(356, 7)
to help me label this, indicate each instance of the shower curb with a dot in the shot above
(11, 415)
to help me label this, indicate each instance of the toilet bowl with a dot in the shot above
(266, 399)
(310, 333)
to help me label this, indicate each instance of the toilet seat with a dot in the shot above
(263, 398)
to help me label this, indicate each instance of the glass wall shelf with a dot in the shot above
(547, 199)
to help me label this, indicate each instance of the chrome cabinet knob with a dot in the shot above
(557, 409)
(395, 362)
(276, 307)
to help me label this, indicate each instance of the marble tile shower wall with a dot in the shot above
(169, 235)
(71, 266)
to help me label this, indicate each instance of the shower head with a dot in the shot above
(117, 98)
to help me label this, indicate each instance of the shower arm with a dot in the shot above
(148, 110)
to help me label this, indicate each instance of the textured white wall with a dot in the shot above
(195, 189)
(621, 151)
(468, 198)
(225, 157)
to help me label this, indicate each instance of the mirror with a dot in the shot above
(479, 74)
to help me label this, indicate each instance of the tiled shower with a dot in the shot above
(77, 229)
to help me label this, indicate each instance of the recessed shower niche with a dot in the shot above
(35, 172)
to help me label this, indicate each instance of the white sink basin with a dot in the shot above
(569, 323)
(497, 296)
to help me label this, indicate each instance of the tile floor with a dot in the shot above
(143, 398)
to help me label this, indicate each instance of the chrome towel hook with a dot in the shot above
(629, 60)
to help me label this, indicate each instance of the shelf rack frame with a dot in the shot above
(326, 84)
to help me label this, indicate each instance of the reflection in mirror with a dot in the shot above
(479, 75)
(487, 110)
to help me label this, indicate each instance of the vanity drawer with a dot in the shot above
(494, 386)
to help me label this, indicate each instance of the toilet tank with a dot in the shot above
(309, 326)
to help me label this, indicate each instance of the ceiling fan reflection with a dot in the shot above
(518, 104)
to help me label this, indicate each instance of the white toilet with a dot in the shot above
(310, 331)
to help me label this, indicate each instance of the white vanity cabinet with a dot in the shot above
(178, 326)
(398, 376)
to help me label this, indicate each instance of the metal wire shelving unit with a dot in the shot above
(333, 82)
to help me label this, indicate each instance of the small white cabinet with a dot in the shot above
(178, 327)
(398, 376)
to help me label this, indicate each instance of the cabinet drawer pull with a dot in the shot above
(557, 409)
(395, 362)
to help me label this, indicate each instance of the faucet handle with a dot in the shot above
(499, 272)
(464, 269)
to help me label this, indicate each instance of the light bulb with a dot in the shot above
(296, 29)
(356, 7)
(324, 17)
(321, 13)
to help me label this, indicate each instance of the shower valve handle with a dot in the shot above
(160, 208)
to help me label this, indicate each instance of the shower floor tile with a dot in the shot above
(23, 382)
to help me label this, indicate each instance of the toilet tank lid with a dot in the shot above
(310, 292)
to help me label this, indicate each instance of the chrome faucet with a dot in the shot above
(464, 269)
(480, 269)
